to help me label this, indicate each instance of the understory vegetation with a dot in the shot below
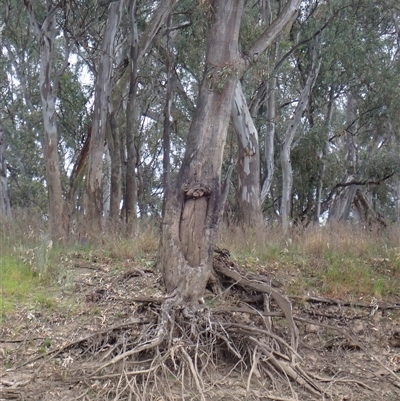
(340, 261)
(90, 309)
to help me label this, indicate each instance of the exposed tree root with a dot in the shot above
(187, 352)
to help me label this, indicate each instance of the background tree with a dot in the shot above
(46, 32)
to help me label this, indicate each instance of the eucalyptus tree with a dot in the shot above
(367, 141)
(94, 189)
(193, 207)
(5, 207)
(140, 44)
(45, 28)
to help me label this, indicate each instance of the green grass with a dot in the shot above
(17, 281)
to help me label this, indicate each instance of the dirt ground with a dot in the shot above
(47, 350)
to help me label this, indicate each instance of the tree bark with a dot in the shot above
(46, 33)
(167, 119)
(269, 139)
(5, 207)
(139, 48)
(248, 167)
(328, 125)
(192, 211)
(94, 190)
(287, 173)
(114, 146)
(341, 206)
(132, 123)
(248, 161)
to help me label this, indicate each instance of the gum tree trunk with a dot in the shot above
(193, 206)
(248, 161)
(269, 139)
(341, 206)
(94, 190)
(287, 172)
(192, 209)
(46, 33)
(249, 185)
(138, 49)
(5, 207)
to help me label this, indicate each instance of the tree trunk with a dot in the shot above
(323, 155)
(269, 139)
(94, 190)
(167, 119)
(287, 173)
(5, 207)
(249, 161)
(138, 50)
(192, 211)
(106, 185)
(132, 124)
(114, 146)
(46, 33)
(341, 206)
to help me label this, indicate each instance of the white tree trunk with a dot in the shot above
(269, 139)
(5, 207)
(46, 33)
(341, 206)
(249, 160)
(287, 173)
(94, 190)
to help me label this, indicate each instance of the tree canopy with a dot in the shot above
(281, 162)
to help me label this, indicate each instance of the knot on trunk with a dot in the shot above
(195, 190)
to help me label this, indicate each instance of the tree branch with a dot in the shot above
(286, 17)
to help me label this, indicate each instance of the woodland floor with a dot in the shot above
(45, 348)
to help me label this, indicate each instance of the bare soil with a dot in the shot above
(48, 351)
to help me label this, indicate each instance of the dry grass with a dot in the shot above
(122, 246)
(340, 260)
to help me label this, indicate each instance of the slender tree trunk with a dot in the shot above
(248, 161)
(46, 33)
(192, 210)
(287, 172)
(323, 155)
(5, 207)
(167, 119)
(114, 145)
(341, 206)
(94, 190)
(138, 49)
(397, 200)
(269, 139)
(106, 185)
(249, 157)
(132, 123)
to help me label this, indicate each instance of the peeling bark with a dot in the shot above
(94, 190)
(269, 139)
(192, 210)
(248, 161)
(46, 33)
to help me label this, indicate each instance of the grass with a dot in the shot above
(339, 261)
(18, 283)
